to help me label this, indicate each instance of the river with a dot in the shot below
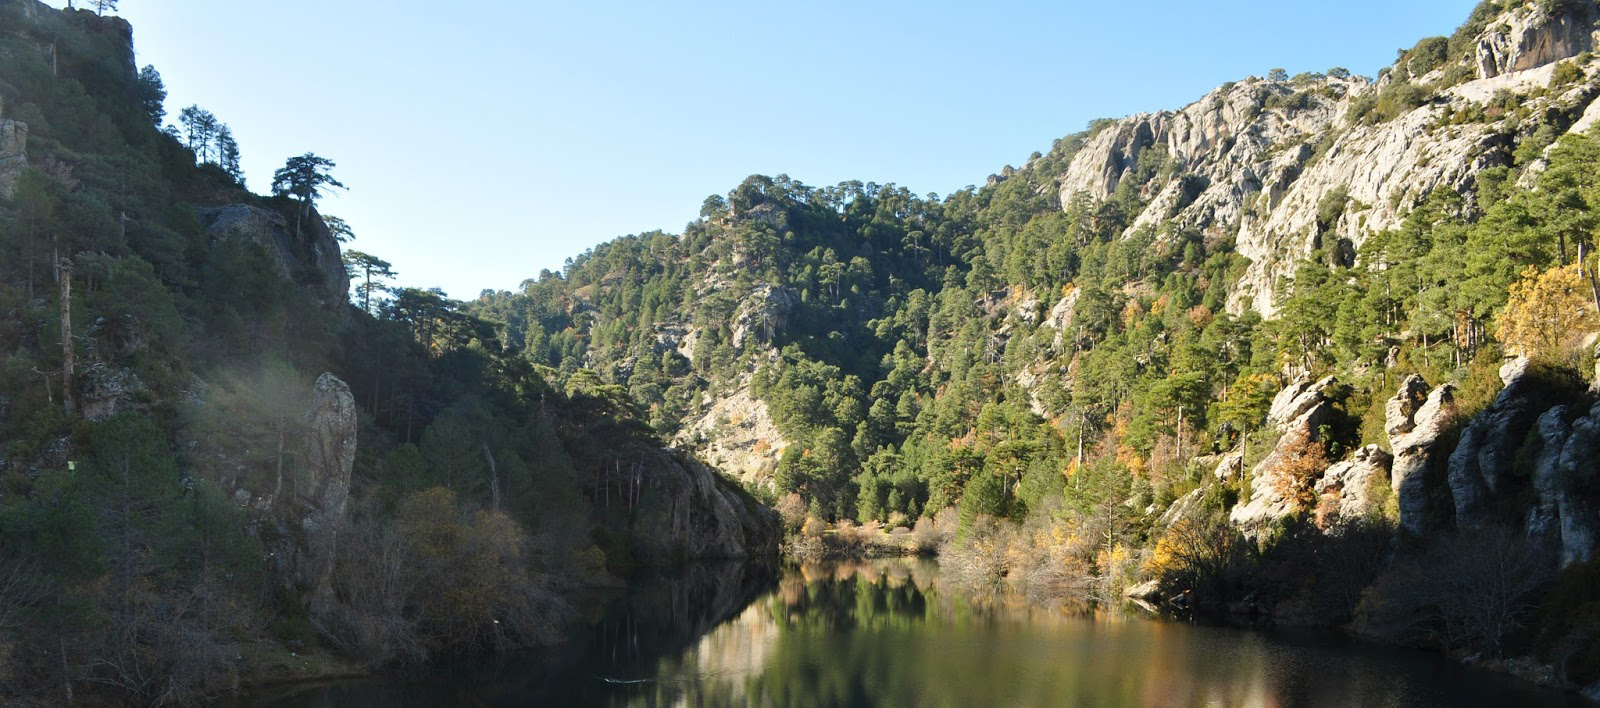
(895, 634)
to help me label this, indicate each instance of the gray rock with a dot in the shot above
(1414, 438)
(1229, 468)
(686, 512)
(315, 248)
(1482, 461)
(1181, 509)
(321, 488)
(763, 314)
(13, 155)
(1257, 158)
(1568, 485)
(1299, 398)
(1592, 692)
(1311, 409)
(1400, 410)
(1528, 37)
(106, 390)
(1348, 486)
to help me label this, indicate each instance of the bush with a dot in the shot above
(1428, 55)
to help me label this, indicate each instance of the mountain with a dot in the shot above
(1314, 349)
(1326, 328)
(218, 470)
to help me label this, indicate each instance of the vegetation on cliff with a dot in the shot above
(186, 496)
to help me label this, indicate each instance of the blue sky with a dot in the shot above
(483, 142)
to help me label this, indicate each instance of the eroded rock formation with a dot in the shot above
(1416, 426)
(321, 488)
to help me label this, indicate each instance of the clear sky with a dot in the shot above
(482, 142)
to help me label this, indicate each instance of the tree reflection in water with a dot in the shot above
(898, 633)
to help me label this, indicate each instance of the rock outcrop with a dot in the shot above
(312, 256)
(1347, 491)
(1416, 426)
(321, 489)
(686, 511)
(1567, 481)
(1530, 36)
(737, 435)
(1298, 411)
(13, 155)
(1482, 461)
(1261, 159)
(762, 314)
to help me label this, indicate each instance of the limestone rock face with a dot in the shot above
(763, 313)
(1299, 398)
(738, 437)
(1259, 159)
(13, 155)
(107, 390)
(686, 512)
(1347, 488)
(1566, 480)
(1310, 409)
(1415, 429)
(1230, 467)
(1182, 508)
(1528, 37)
(1482, 461)
(321, 487)
(315, 249)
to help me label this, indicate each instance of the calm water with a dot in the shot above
(894, 635)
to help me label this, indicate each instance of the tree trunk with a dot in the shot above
(277, 487)
(66, 669)
(68, 353)
(1594, 287)
(494, 480)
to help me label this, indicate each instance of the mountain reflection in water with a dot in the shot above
(898, 634)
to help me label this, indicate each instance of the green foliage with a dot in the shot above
(1429, 54)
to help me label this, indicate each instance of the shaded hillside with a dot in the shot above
(211, 458)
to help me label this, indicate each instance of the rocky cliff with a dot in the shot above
(1262, 160)
(1526, 460)
(310, 257)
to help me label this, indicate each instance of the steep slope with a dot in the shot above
(211, 458)
(1292, 166)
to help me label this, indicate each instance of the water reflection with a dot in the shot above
(896, 633)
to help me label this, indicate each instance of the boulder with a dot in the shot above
(1299, 398)
(1229, 468)
(1182, 508)
(1415, 432)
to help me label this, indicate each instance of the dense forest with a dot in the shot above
(1106, 372)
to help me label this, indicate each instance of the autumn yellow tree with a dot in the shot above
(1302, 462)
(1546, 309)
